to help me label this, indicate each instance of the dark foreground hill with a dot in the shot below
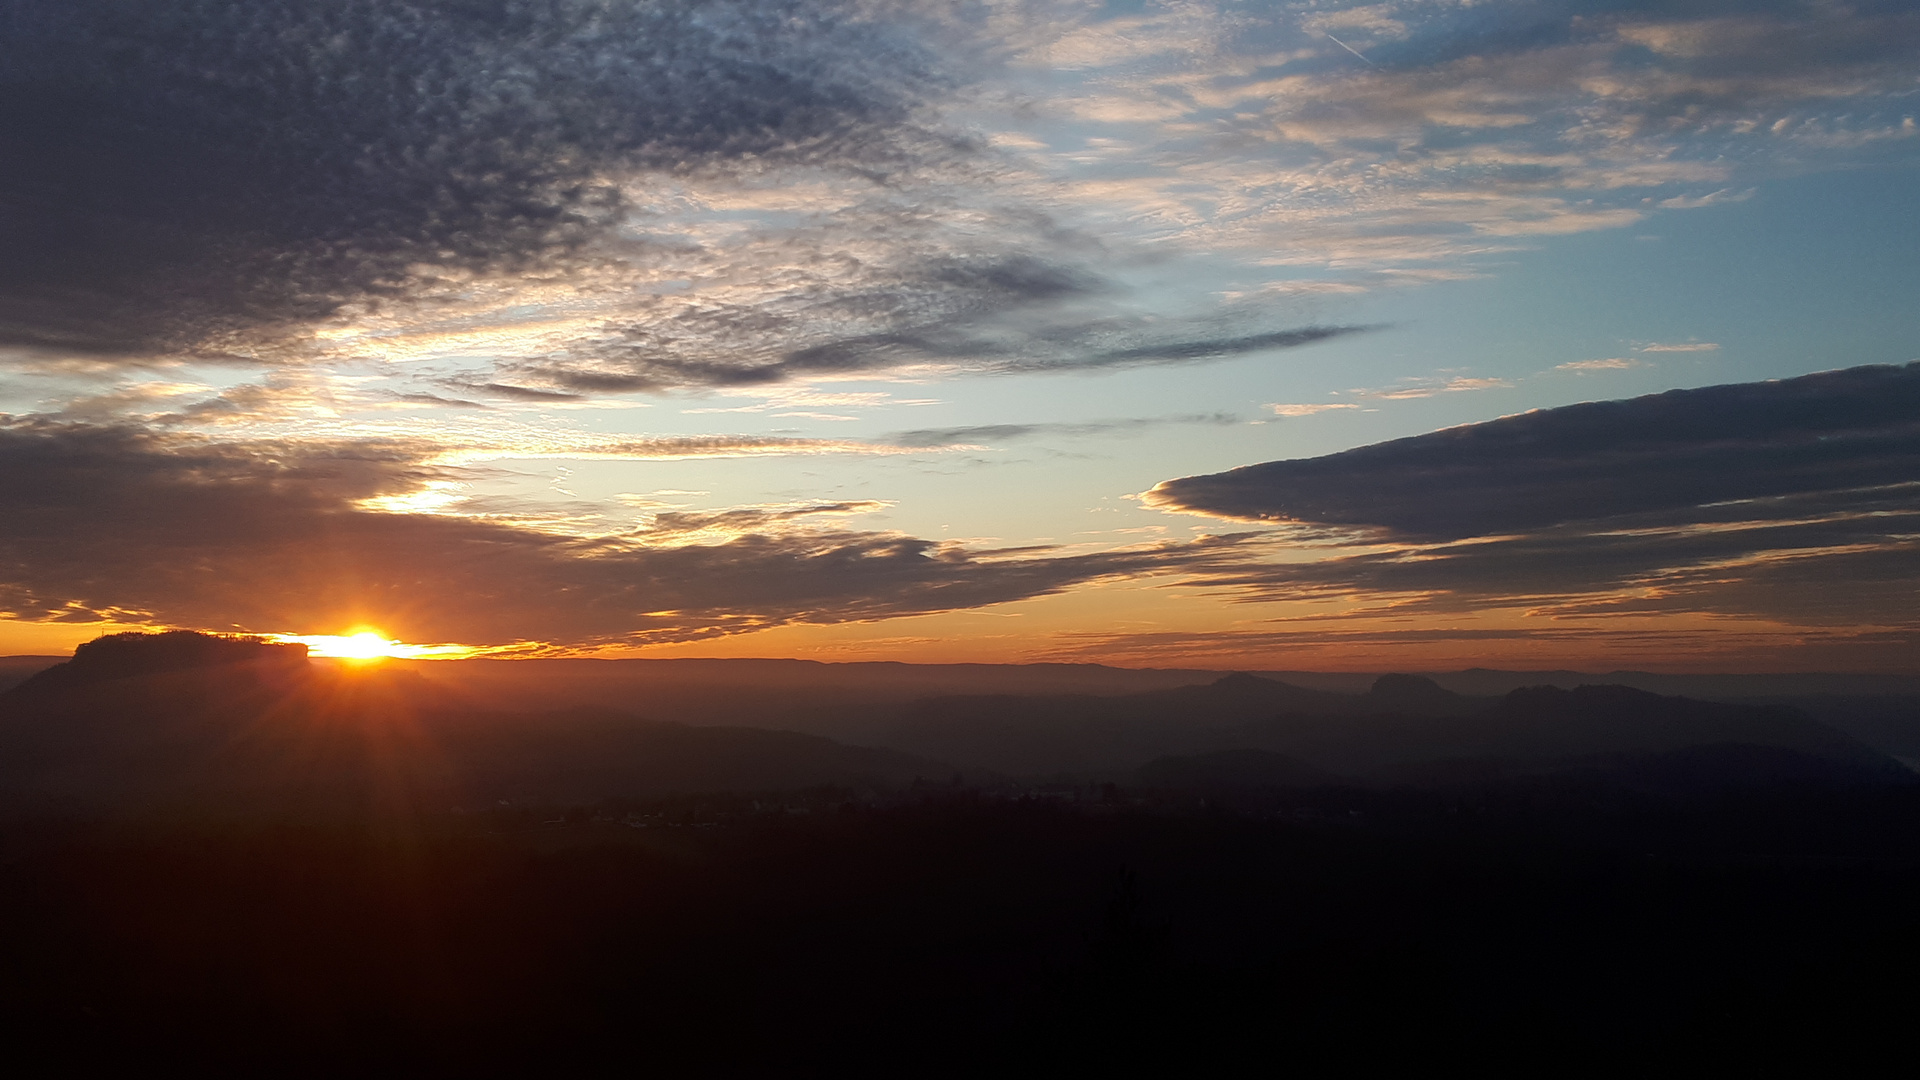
(1375, 935)
(186, 720)
(1582, 882)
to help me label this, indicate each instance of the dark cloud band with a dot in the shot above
(1676, 452)
(1797, 499)
(116, 523)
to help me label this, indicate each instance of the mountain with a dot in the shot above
(149, 720)
(123, 656)
(1402, 727)
(863, 702)
(1489, 682)
(182, 718)
(1417, 695)
(1081, 734)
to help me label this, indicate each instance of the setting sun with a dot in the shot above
(367, 644)
(359, 644)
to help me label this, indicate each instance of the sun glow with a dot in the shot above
(366, 645)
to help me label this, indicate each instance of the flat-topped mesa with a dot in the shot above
(120, 656)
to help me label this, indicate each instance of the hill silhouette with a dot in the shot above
(193, 720)
(1401, 730)
(124, 656)
(1417, 694)
(182, 718)
(865, 702)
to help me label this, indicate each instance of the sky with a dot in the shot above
(1410, 335)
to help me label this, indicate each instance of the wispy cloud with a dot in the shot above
(1712, 198)
(1612, 363)
(1685, 346)
(790, 400)
(995, 433)
(1409, 389)
(1311, 409)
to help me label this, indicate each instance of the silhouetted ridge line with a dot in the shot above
(1416, 693)
(121, 656)
(1613, 702)
(163, 723)
(1407, 728)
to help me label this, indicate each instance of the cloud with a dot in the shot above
(993, 433)
(1426, 388)
(1679, 450)
(517, 393)
(589, 446)
(785, 400)
(1690, 346)
(1181, 351)
(119, 523)
(946, 329)
(1470, 128)
(1310, 409)
(601, 196)
(1614, 363)
(1714, 198)
(131, 398)
(1797, 497)
(420, 398)
(210, 177)
(595, 197)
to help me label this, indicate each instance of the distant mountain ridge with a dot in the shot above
(838, 699)
(180, 716)
(1403, 722)
(181, 721)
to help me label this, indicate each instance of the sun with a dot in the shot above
(368, 644)
(362, 644)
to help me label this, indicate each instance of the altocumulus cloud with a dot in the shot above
(268, 180)
(203, 176)
(125, 524)
(1797, 498)
(582, 197)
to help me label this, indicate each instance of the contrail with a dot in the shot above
(1350, 49)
